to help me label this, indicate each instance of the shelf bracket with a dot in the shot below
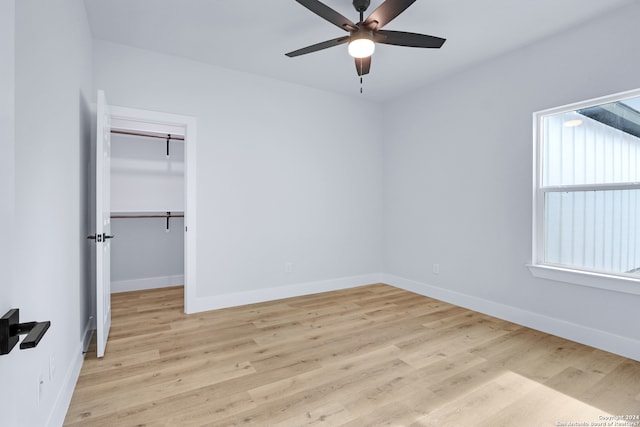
(168, 139)
(168, 216)
(10, 328)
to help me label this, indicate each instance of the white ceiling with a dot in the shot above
(254, 35)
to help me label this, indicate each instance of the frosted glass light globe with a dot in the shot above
(361, 48)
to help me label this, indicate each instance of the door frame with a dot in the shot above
(190, 142)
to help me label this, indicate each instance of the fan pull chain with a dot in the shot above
(360, 69)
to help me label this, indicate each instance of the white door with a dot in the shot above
(103, 224)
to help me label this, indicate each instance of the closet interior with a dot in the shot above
(147, 206)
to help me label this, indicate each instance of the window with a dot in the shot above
(587, 190)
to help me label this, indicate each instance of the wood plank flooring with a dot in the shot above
(373, 355)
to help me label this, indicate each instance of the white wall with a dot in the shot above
(7, 141)
(52, 132)
(285, 173)
(458, 180)
(143, 178)
(144, 255)
(7, 146)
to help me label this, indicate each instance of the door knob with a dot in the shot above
(100, 237)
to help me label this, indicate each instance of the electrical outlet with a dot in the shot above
(436, 268)
(288, 267)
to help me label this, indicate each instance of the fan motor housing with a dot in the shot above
(361, 5)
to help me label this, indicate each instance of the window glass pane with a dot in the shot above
(594, 145)
(598, 230)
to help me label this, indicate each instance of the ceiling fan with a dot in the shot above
(363, 35)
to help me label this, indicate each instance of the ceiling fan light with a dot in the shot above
(361, 47)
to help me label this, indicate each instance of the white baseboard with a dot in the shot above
(592, 337)
(63, 400)
(146, 283)
(279, 292)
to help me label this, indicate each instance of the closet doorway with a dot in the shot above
(149, 180)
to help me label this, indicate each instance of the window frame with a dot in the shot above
(612, 281)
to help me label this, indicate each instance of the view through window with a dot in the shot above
(588, 187)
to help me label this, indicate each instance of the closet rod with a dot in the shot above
(149, 216)
(149, 134)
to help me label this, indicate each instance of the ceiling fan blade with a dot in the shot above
(386, 12)
(318, 46)
(401, 38)
(363, 65)
(324, 11)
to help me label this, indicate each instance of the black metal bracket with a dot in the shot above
(10, 328)
(168, 139)
(168, 216)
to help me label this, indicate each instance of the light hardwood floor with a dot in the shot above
(373, 355)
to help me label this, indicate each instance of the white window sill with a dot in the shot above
(609, 282)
